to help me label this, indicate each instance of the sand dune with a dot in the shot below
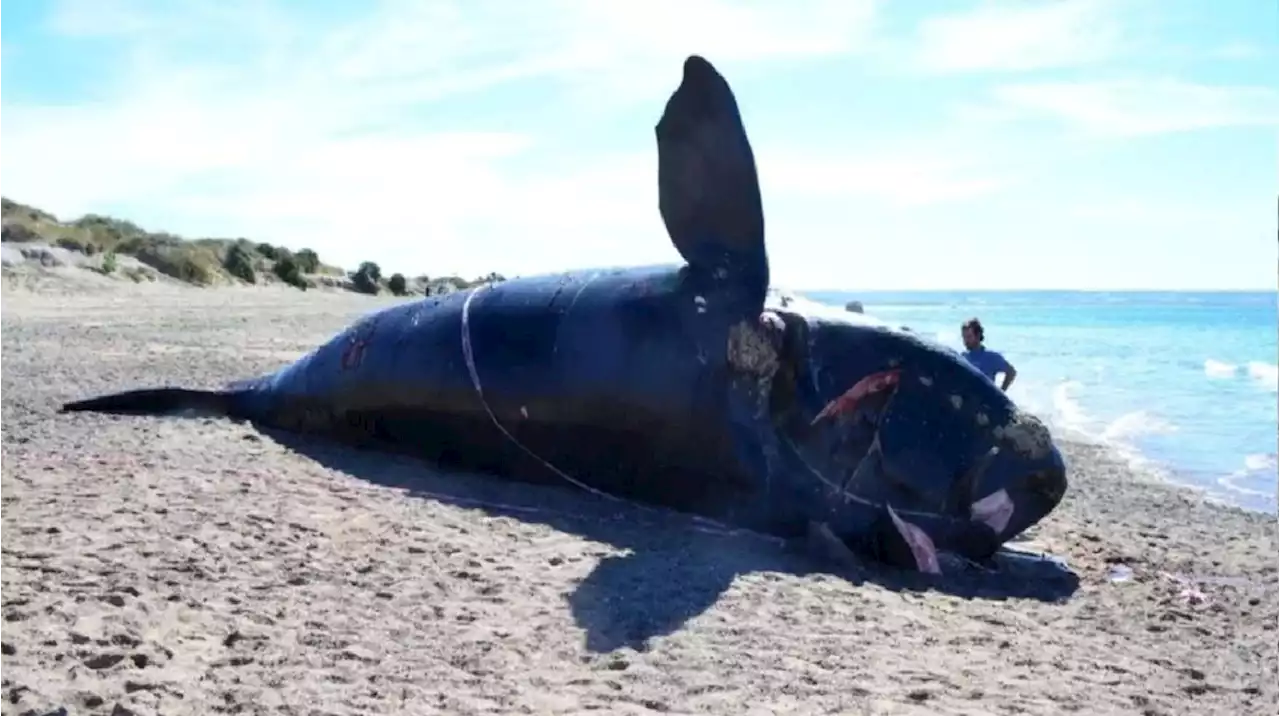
(198, 566)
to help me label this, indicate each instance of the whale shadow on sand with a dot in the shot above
(672, 568)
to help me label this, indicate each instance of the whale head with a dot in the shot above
(924, 450)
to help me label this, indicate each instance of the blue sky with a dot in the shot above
(901, 145)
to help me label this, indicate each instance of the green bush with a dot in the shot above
(239, 263)
(17, 233)
(287, 270)
(308, 261)
(109, 262)
(201, 261)
(71, 244)
(139, 274)
(179, 259)
(116, 227)
(366, 278)
(397, 284)
(111, 233)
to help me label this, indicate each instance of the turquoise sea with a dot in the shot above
(1179, 383)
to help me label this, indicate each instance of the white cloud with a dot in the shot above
(235, 118)
(1127, 108)
(418, 51)
(1019, 36)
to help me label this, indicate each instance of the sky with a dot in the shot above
(939, 144)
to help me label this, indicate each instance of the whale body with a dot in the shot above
(686, 386)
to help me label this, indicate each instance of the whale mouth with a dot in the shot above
(916, 539)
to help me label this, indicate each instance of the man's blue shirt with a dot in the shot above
(989, 362)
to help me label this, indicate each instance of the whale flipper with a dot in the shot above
(708, 190)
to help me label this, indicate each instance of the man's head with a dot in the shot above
(971, 332)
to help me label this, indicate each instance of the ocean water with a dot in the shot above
(1182, 384)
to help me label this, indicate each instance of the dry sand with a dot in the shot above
(193, 566)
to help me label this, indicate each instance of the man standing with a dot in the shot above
(988, 362)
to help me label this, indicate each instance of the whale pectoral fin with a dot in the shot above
(923, 551)
(708, 190)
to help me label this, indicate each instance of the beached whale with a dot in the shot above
(677, 386)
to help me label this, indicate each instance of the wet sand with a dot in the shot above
(197, 566)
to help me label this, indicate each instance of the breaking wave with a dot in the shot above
(1218, 369)
(1259, 477)
(1067, 414)
(1266, 374)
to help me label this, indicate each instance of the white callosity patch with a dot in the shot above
(701, 303)
(754, 349)
(1026, 433)
(957, 402)
(926, 381)
(994, 510)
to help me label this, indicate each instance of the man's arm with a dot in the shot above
(1009, 374)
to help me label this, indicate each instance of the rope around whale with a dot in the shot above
(842, 490)
(704, 524)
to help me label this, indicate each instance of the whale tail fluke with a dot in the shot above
(159, 401)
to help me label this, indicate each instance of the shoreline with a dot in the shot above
(1148, 468)
(189, 566)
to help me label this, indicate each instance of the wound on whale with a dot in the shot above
(676, 386)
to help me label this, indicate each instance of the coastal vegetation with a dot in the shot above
(206, 261)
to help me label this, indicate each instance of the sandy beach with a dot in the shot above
(198, 566)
